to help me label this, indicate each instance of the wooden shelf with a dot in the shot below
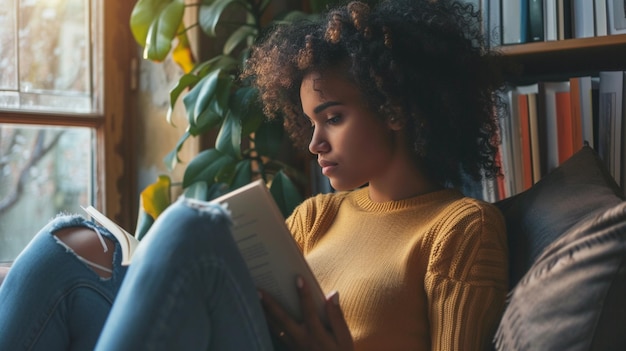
(584, 56)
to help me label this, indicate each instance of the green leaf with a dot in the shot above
(210, 14)
(144, 222)
(237, 37)
(243, 174)
(198, 190)
(144, 13)
(205, 167)
(285, 193)
(269, 138)
(163, 30)
(198, 100)
(203, 192)
(223, 62)
(183, 83)
(171, 159)
(244, 105)
(229, 138)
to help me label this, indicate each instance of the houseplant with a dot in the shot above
(247, 145)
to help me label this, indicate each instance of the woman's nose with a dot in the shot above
(318, 144)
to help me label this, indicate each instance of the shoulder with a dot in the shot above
(312, 217)
(471, 233)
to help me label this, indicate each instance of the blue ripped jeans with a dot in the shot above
(187, 289)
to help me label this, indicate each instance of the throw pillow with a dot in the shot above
(572, 298)
(579, 187)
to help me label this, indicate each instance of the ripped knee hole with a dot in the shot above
(89, 246)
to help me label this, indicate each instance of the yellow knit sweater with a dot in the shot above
(426, 273)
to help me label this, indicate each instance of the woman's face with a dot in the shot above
(353, 145)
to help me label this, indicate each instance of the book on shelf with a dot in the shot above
(550, 20)
(582, 111)
(564, 18)
(535, 20)
(616, 14)
(265, 243)
(564, 123)
(600, 17)
(514, 21)
(611, 92)
(524, 135)
(533, 123)
(549, 129)
(583, 19)
(494, 36)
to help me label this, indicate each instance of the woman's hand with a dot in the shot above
(310, 334)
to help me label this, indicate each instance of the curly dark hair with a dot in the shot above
(421, 60)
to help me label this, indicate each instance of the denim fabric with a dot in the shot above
(52, 301)
(187, 289)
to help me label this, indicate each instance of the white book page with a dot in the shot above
(127, 241)
(270, 252)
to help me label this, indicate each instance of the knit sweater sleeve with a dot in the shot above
(466, 279)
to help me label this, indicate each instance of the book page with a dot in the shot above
(127, 241)
(270, 252)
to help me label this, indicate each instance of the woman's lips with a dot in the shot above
(327, 166)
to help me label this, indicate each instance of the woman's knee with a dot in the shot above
(89, 246)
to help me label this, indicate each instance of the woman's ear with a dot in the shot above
(395, 123)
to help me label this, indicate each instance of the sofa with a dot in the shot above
(567, 243)
(567, 247)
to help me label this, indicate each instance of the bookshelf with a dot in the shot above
(568, 57)
(555, 61)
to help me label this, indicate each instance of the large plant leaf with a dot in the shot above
(185, 81)
(224, 62)
(144, 13)
(229, 138)
(171, 159)
(269, 138)
(198, 100)
(238, 37)
(163, 30)
(285, 193)
(243, 174)
(205, 167)
(244, 105)
(182, 53)
(210, 14)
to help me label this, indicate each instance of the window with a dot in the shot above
(65, 89)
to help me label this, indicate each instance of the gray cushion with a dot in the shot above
(572, 298)
(578, 188)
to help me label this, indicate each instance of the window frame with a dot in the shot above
(115, 156)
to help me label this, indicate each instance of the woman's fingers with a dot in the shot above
(309, 311)
(338, 322)
(281, 325)
(311, 333)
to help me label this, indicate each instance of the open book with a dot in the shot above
(265, 243)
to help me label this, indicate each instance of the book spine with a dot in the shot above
(550, 20)
(495, 23)
(512, 22)
(616, 13)
(600, 17)
(582, 19)
(564, 125)
(535, 20)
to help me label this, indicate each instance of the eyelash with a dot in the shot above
(332, 120)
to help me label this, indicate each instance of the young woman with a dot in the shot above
(397, 104)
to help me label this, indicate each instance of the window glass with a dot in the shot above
(49, 52)
(43, 171)
(45, 55)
